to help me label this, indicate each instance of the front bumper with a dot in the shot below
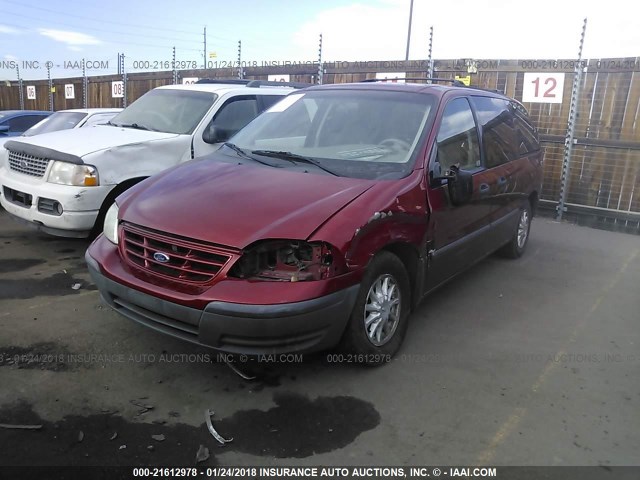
(80, 204)
(300, 327)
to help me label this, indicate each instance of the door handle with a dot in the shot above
(502, 180)
(484, 188)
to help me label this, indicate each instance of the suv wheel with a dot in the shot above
(380, 316)
(518, 243)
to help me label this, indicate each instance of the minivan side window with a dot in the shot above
(498, 130)
(527, 135)
(458, 137)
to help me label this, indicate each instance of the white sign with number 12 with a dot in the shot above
(543, 87)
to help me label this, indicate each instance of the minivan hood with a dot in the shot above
(83, 141)
(236, 205)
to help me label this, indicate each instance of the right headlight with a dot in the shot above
(111, 224)
(65, 173)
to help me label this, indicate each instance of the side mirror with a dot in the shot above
(4, 129)
(215, 134)
(460, 186)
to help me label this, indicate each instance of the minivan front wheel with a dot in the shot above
(379, 319)
(518, 243)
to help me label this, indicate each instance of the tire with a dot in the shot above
(373, 346)
(518, 243)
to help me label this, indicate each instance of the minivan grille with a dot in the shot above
(27, 164)
(158, 254)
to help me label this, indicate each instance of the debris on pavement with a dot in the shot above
(144, 407)
(158, 438)
(151, 448)
(239, 372)
(122, 447)
(80, 436)
(207, 417)
(114, 436)
(76, 286)
(20, 427)
(202, 454)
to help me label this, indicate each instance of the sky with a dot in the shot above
(33, 32)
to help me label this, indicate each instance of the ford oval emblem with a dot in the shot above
(24, 164)
(161, 257)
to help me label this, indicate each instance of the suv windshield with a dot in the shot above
(166, 110)
(354, 133)
(56, 121)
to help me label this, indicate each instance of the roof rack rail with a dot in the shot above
(455, 83)
(270, 83)
(233, 81)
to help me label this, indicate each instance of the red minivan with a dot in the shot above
(325, 221)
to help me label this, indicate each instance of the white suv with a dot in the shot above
(64, 182)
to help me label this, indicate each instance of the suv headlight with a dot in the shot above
(287, 261)
(65, 173)
(111, 224)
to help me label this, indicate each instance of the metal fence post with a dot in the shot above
(174, 72)
(430, 60)
(124, 81)
(240, 72)
(568, 141)
(50, 84)
(21, 87)
(85, 85)
(320, 69)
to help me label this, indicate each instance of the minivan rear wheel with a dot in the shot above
(518, 243)
(379, 318)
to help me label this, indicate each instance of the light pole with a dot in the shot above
(409, 30)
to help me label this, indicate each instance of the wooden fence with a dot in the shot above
(604, 175)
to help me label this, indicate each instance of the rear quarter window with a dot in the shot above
(527, 136)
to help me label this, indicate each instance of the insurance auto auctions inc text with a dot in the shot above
(349, 472)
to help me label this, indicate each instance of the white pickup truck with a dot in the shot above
(64, 182)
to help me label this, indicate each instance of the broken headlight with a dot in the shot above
(286, 261)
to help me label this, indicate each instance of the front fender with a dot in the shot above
(391, 212)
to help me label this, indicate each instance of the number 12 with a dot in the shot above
(547, 94)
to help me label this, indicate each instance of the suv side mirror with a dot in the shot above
(4, 129)
(215, 134)
(460, 185)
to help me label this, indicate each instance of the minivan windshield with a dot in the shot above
(56, 121)
(354, 133)
(166, 110)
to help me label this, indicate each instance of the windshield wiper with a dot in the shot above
(244, 154)
(137, 126)
(293, 157)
